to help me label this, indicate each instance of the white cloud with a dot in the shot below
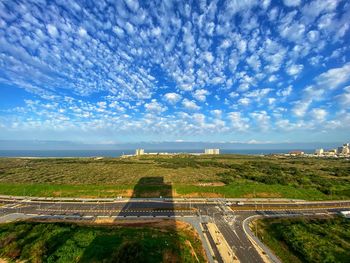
(238, 121)
(52, 30)
(317, 7)
(334, 77)
(82, 32)
(292, 3)
(200, 94)
(285, 92)
(233, 94)
(132, 4)
(243, 87)
(261, 118)
(129, 28)
(265, 4)
(234, 6)
(271, 101)
(310, 94)
(313, 35)
(216, 113)
(199, 119)
(125, 53)
(155, 107)
(208, 56)
(172, 97)
(119, 32)
(254, 62)
(318, 114)
(344, 98)
(190, 104)
(301, 107)
(294, 69)
(272, 78)
(244, 101)
(258, 93)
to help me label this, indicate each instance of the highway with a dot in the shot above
(231, 219)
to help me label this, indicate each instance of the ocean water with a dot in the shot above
(117, 153)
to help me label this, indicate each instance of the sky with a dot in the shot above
(113, 71)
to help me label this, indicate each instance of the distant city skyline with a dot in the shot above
(162, 145)
(105, 72)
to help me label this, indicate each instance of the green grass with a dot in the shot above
(222, 175)
(307, 240)
(239, 189)
(67, 242)
(252, 190)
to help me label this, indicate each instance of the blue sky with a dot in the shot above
(216, 71)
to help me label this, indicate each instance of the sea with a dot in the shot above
(117, 153)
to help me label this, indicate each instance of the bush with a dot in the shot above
(131, 252)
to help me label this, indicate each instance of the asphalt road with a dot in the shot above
(229, 220)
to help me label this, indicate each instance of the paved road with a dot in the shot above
(230, 221)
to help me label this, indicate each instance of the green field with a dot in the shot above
(69, 242)
(196, 176)
(307, 240)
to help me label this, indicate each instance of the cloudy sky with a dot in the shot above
(128, 71)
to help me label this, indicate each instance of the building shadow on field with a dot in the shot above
(150, 227)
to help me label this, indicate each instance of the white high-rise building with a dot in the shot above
(139, 152)
(212, 151)
(319, 151)
(345, 149)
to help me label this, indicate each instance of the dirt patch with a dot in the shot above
(211, 184)
(262, 195)
(124, 193)
(56, 193)
(155, 223)
(3, 260)
(195, 194)
(150, 194)
(104, 221)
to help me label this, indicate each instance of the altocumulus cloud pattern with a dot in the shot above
(166, 70)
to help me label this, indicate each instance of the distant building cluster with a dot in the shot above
(296, 153)
(212, 151)
(340, 151)
(139, 152)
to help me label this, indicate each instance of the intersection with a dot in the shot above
(231, 216)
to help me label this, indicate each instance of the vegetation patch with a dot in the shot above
(181, 175)
(307, 240)
(69, 242)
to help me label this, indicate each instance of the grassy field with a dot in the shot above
(307, 240)
(69, 242)
(210, 176)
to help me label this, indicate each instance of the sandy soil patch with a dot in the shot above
(195, 194)
(211, 184)
(2, 260)
(262, 195)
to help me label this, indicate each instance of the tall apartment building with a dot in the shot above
(212, 151)
(345, 149)
(319, 151)
(139, 152)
